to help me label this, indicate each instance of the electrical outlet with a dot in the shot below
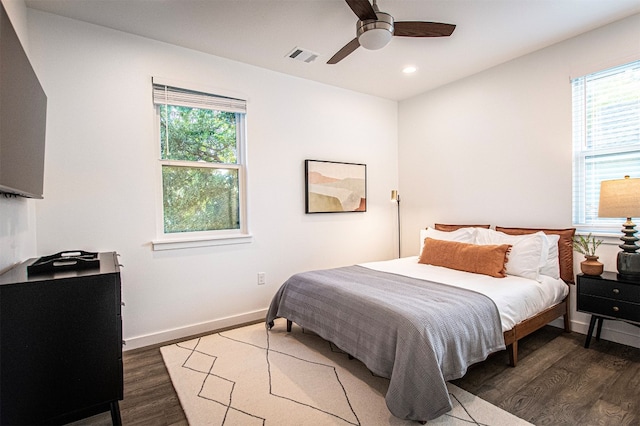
(262, 278)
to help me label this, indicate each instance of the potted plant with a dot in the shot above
(588, 246)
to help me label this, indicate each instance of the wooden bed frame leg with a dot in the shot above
(567, 323)
(512, 349)
(289, 323)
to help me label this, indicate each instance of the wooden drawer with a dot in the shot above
(609, 289)
(609, 307)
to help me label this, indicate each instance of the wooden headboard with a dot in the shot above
(450, 228)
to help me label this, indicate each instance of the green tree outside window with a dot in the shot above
(200, 177)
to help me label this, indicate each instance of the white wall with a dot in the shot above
(17, 12)
(495, 148)
(100, 186)
(17, 231)
(18, 225)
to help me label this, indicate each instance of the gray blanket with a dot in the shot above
(417, 333)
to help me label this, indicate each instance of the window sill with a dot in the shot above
(607, 236)
(194, 242)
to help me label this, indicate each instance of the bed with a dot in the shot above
(423, 320)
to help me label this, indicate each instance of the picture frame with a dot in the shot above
(335, 187)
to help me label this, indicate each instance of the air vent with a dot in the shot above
(302, 55)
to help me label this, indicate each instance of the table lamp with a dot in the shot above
(621, 198)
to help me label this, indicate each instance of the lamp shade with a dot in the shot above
(620, 198)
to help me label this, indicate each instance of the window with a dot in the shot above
(201, 145)
(606, 138)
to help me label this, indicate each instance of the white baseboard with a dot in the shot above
(623, 333)
(190, 330)
(629, 335)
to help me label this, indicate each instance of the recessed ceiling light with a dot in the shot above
(409, 70)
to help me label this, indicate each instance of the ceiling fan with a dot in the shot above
(374, 29)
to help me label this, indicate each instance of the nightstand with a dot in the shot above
(608, 296)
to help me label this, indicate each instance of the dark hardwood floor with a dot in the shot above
(557, 382)
(149, 396)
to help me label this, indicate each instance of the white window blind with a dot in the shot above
(168, 95)
(606, 138)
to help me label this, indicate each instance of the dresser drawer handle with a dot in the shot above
(616, 291)
(616, 309)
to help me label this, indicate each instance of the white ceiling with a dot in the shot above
(263, 32)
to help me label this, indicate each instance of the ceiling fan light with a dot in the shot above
(375, 39)
(375, 34)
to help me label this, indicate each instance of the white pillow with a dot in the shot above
(461, 235)
(551, 267)
(528, 252)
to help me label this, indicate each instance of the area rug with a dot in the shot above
(254, 376)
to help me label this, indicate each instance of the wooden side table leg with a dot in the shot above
(592, 324)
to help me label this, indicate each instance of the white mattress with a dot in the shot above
(516, 298)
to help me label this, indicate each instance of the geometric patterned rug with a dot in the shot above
(251, 376)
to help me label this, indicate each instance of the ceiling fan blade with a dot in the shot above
(362, 9)
(345, 51)
(422, 29)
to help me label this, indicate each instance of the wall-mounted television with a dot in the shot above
(23, 116)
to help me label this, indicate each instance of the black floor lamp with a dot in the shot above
(396, 197)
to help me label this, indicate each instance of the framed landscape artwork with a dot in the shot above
(333, 187)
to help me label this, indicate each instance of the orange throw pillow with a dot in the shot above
(479, 259)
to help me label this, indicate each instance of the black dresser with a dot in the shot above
(60, 344)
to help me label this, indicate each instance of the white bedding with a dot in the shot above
(517, 298)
